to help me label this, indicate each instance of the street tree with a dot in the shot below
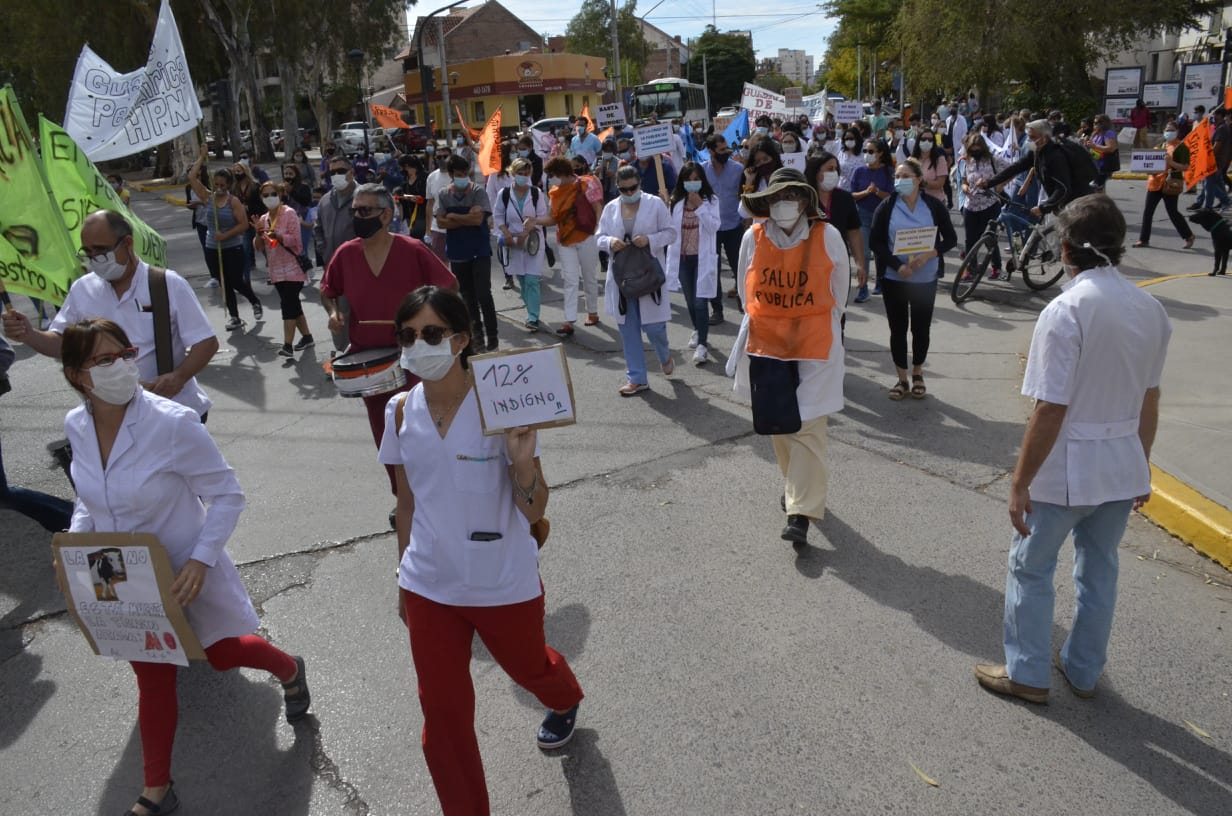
(729, 63)
(590, 32)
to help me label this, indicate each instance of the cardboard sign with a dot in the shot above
(609, 115)
(794, 160)
(119, 593)
(1148, 161)
(845, 112)
(793, 96)
(912, 241)
(517, 388)
(651, 140)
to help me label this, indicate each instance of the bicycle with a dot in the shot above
(1039, 261)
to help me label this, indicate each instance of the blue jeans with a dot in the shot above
(52, 513)
(698, 313)
(1214, 186)
(1029, 591)
(866, 229)
(631, 339)
(529, 284)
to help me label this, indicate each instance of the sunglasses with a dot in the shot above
(432, 335)
(339, 172)
(104, 360)
(367, 212)
(870, 152)
(628, 190)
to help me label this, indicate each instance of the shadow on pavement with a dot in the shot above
(1183, 310)
(592, 784)
(226, 757)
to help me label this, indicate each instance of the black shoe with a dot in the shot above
(716, 318)
(295, 694)
(492, 345)
(286, 350)
(556, 729)
(393, 519)
(508, 283)
(168, 804)
(258, 311)
(1194, 206)
(796, 530)
(305, 342)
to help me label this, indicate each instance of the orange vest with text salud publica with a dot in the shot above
(789, 298)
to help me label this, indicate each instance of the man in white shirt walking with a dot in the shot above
(118, 288)
(1094, 368)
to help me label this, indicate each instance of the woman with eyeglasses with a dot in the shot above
(226, 223)
(468, 562)
(637, 219)
(871, 183)
(145, 464)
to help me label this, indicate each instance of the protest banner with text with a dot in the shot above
(112, 115)
(37, 257)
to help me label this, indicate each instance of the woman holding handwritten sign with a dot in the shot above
(910, 286)
(467, 559)
(145, 464)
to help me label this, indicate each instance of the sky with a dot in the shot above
(792, 24)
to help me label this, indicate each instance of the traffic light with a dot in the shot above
(220, 94)
(214, 99)
(427, 78)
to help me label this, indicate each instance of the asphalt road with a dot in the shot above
(724, 672)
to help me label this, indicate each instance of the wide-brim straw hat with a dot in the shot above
(781, 180)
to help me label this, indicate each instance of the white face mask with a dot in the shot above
(270, 202)
(785, 213)
(850, 143)
(926, 145)
(428, 362)
(870, 158)
(339, 182)
(115, 384)
(107, 267)
(829, 180)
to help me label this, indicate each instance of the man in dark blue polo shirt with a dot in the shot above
(463, 210)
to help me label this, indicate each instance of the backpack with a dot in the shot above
(534, 198)
(636, 272)
(584, 219)
(1082, 168)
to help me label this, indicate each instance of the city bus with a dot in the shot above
(671, 98)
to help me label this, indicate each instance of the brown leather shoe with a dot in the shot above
(997, 678)
(1085, 694)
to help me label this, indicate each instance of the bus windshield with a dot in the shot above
(663, 104)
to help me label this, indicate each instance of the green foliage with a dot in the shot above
(590, 32)
(729, 64)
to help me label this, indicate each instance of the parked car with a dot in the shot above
(349, 138)
(412, 139)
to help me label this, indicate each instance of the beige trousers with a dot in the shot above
(802, 459)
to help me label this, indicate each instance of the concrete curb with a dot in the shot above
(154, 186)
(1200, 522)
(1190, 516)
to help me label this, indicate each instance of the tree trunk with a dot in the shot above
(184, 150)
(233, 120)
(288, 82)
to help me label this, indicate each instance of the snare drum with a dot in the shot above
(368, 373)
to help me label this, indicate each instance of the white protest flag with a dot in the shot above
(111, 115)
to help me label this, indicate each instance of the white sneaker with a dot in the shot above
(213, 284)
(701, 356)
(693, 341)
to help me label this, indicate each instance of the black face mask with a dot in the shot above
(722, 158)
(366, 227)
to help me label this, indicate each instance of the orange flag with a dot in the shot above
(1201, 153)
(590, 123)
(489, 145)
(387, 117)
(462, 120)
(1227, 98)
(607, 134)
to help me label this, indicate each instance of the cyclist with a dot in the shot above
(1048, 159)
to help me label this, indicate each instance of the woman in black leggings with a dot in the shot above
(226, 222)
(910, 285)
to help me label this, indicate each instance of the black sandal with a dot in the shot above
(899, 390)
(295, 694)
(918, 391)
(167, 804)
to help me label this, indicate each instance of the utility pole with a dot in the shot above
(445, 109)
(615, 72)
(859, 74)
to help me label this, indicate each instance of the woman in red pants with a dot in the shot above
(145, 464)
(468, 561)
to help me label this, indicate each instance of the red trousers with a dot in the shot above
(376, 420)
(158, 707)
(441, 639)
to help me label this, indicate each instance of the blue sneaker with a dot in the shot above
(556, 729)
(877, 289)
(862, 295)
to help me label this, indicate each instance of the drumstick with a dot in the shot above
(376, 322)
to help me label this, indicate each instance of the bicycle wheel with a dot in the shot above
(1042, 267)
(971, 270)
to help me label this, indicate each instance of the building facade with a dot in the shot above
(795, 65)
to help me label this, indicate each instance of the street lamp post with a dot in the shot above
(419, 51)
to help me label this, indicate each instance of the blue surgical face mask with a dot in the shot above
(625, 156)
(461, 183)
(1170, 135)
(523, 154)
(762, 131)
(904, 186)
(693, 186)
(631, 199)
(521, 181)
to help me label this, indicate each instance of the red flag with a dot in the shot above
(489, 145)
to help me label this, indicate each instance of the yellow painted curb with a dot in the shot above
(142, 187)
(175, 201)
(1190, 516)
(1162, 278)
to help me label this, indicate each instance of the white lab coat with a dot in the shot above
(820, 391)
(519, 262)
(707, 258)
(653, 221)
(163, 465)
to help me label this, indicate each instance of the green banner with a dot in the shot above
(80, 189)
(37, 257)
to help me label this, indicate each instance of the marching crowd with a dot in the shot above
(407, 248)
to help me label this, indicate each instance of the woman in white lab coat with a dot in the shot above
(146, 464)
(638, 219)
(692, 262)
(518, 211)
